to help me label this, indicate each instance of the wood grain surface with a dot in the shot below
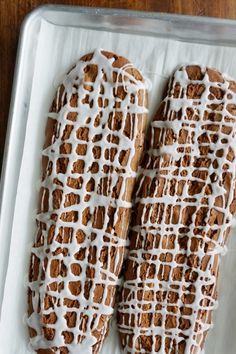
(12, 13)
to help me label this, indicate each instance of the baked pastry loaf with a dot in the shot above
(94, 140)
(185, 199)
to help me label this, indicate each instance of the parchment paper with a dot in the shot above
(57, 50)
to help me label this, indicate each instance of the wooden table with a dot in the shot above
(12, 13)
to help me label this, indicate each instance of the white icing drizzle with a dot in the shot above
(133, 105)
(168, 232)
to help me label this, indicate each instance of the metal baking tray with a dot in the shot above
(204, 30)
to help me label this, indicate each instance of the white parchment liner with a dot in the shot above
(57, 50)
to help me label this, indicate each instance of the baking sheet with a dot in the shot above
(58, 49)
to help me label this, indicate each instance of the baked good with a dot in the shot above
(94, 140)
(185, 198)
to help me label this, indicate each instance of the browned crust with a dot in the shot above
(194, 91)
(50, 136)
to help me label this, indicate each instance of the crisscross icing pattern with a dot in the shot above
(182, 216)
(94, 140)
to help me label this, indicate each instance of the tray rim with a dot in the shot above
(115, 12)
